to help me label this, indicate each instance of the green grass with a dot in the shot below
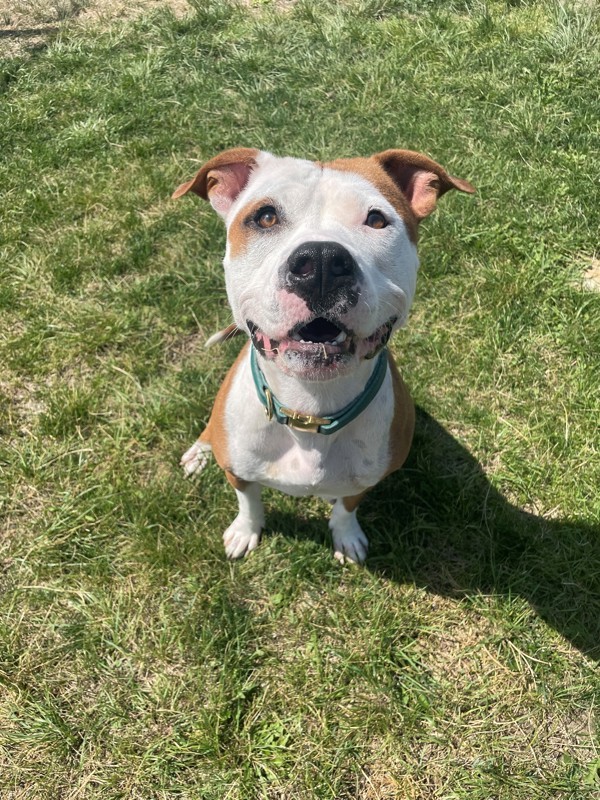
(135, 662)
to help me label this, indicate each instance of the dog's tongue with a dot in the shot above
(319, 330)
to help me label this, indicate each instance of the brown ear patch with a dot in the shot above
(421, 180)
(222, 178)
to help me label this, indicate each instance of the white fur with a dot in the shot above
(195, 459)
(243, 535)
(301, 463)
(350, 544)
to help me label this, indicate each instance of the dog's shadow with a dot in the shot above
(440, 524)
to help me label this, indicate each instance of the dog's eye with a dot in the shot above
(266, 217)
(375, 219)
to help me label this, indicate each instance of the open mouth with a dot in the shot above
(320, 331)
(321, 342)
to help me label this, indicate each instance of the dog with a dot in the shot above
(320, 269)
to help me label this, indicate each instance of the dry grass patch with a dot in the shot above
(28, 24)
(591, 276)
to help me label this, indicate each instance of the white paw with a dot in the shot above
(350, 544)
(195, 459)
(240, 538)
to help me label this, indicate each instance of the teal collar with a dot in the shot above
(307, 422)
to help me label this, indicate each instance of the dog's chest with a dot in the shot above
(341, 468)
(301, 463)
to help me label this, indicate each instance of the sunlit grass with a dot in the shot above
(462, 661)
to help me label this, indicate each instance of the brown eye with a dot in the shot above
(266, 217)
(375, 219)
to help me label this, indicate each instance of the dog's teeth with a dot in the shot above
(341, 337)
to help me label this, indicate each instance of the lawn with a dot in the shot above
(461, 663)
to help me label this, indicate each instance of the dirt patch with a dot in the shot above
(591, 276)
(19, 406)
(180, 348)
(27, 25)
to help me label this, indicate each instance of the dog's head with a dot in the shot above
(321, 259)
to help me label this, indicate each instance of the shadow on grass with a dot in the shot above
(440, 524)
(21, 33)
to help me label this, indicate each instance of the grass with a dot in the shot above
(135, 662)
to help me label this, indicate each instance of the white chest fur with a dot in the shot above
(303, 463)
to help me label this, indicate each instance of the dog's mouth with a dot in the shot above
(321, 343)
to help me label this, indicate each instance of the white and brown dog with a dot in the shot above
(320, 268)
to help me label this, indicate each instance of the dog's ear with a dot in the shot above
(420, 179)
(222, 178)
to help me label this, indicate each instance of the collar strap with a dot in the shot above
(308, 422)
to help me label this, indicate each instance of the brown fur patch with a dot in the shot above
(370, 169)
(239, 234)
(421, 180)
(238, 483)
(350, 503)
(215, 433)
(403, 423)
(401, 430)
(201, 184)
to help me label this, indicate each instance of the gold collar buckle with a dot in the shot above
(303, 422)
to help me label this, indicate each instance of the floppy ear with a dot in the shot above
(420, 179)
(222, 178)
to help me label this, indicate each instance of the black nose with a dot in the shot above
(319, 271)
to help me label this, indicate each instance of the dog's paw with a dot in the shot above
(350, 544)
(240, 538)
(195, 459)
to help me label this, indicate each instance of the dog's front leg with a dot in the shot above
(243, 535)
(350, 543)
